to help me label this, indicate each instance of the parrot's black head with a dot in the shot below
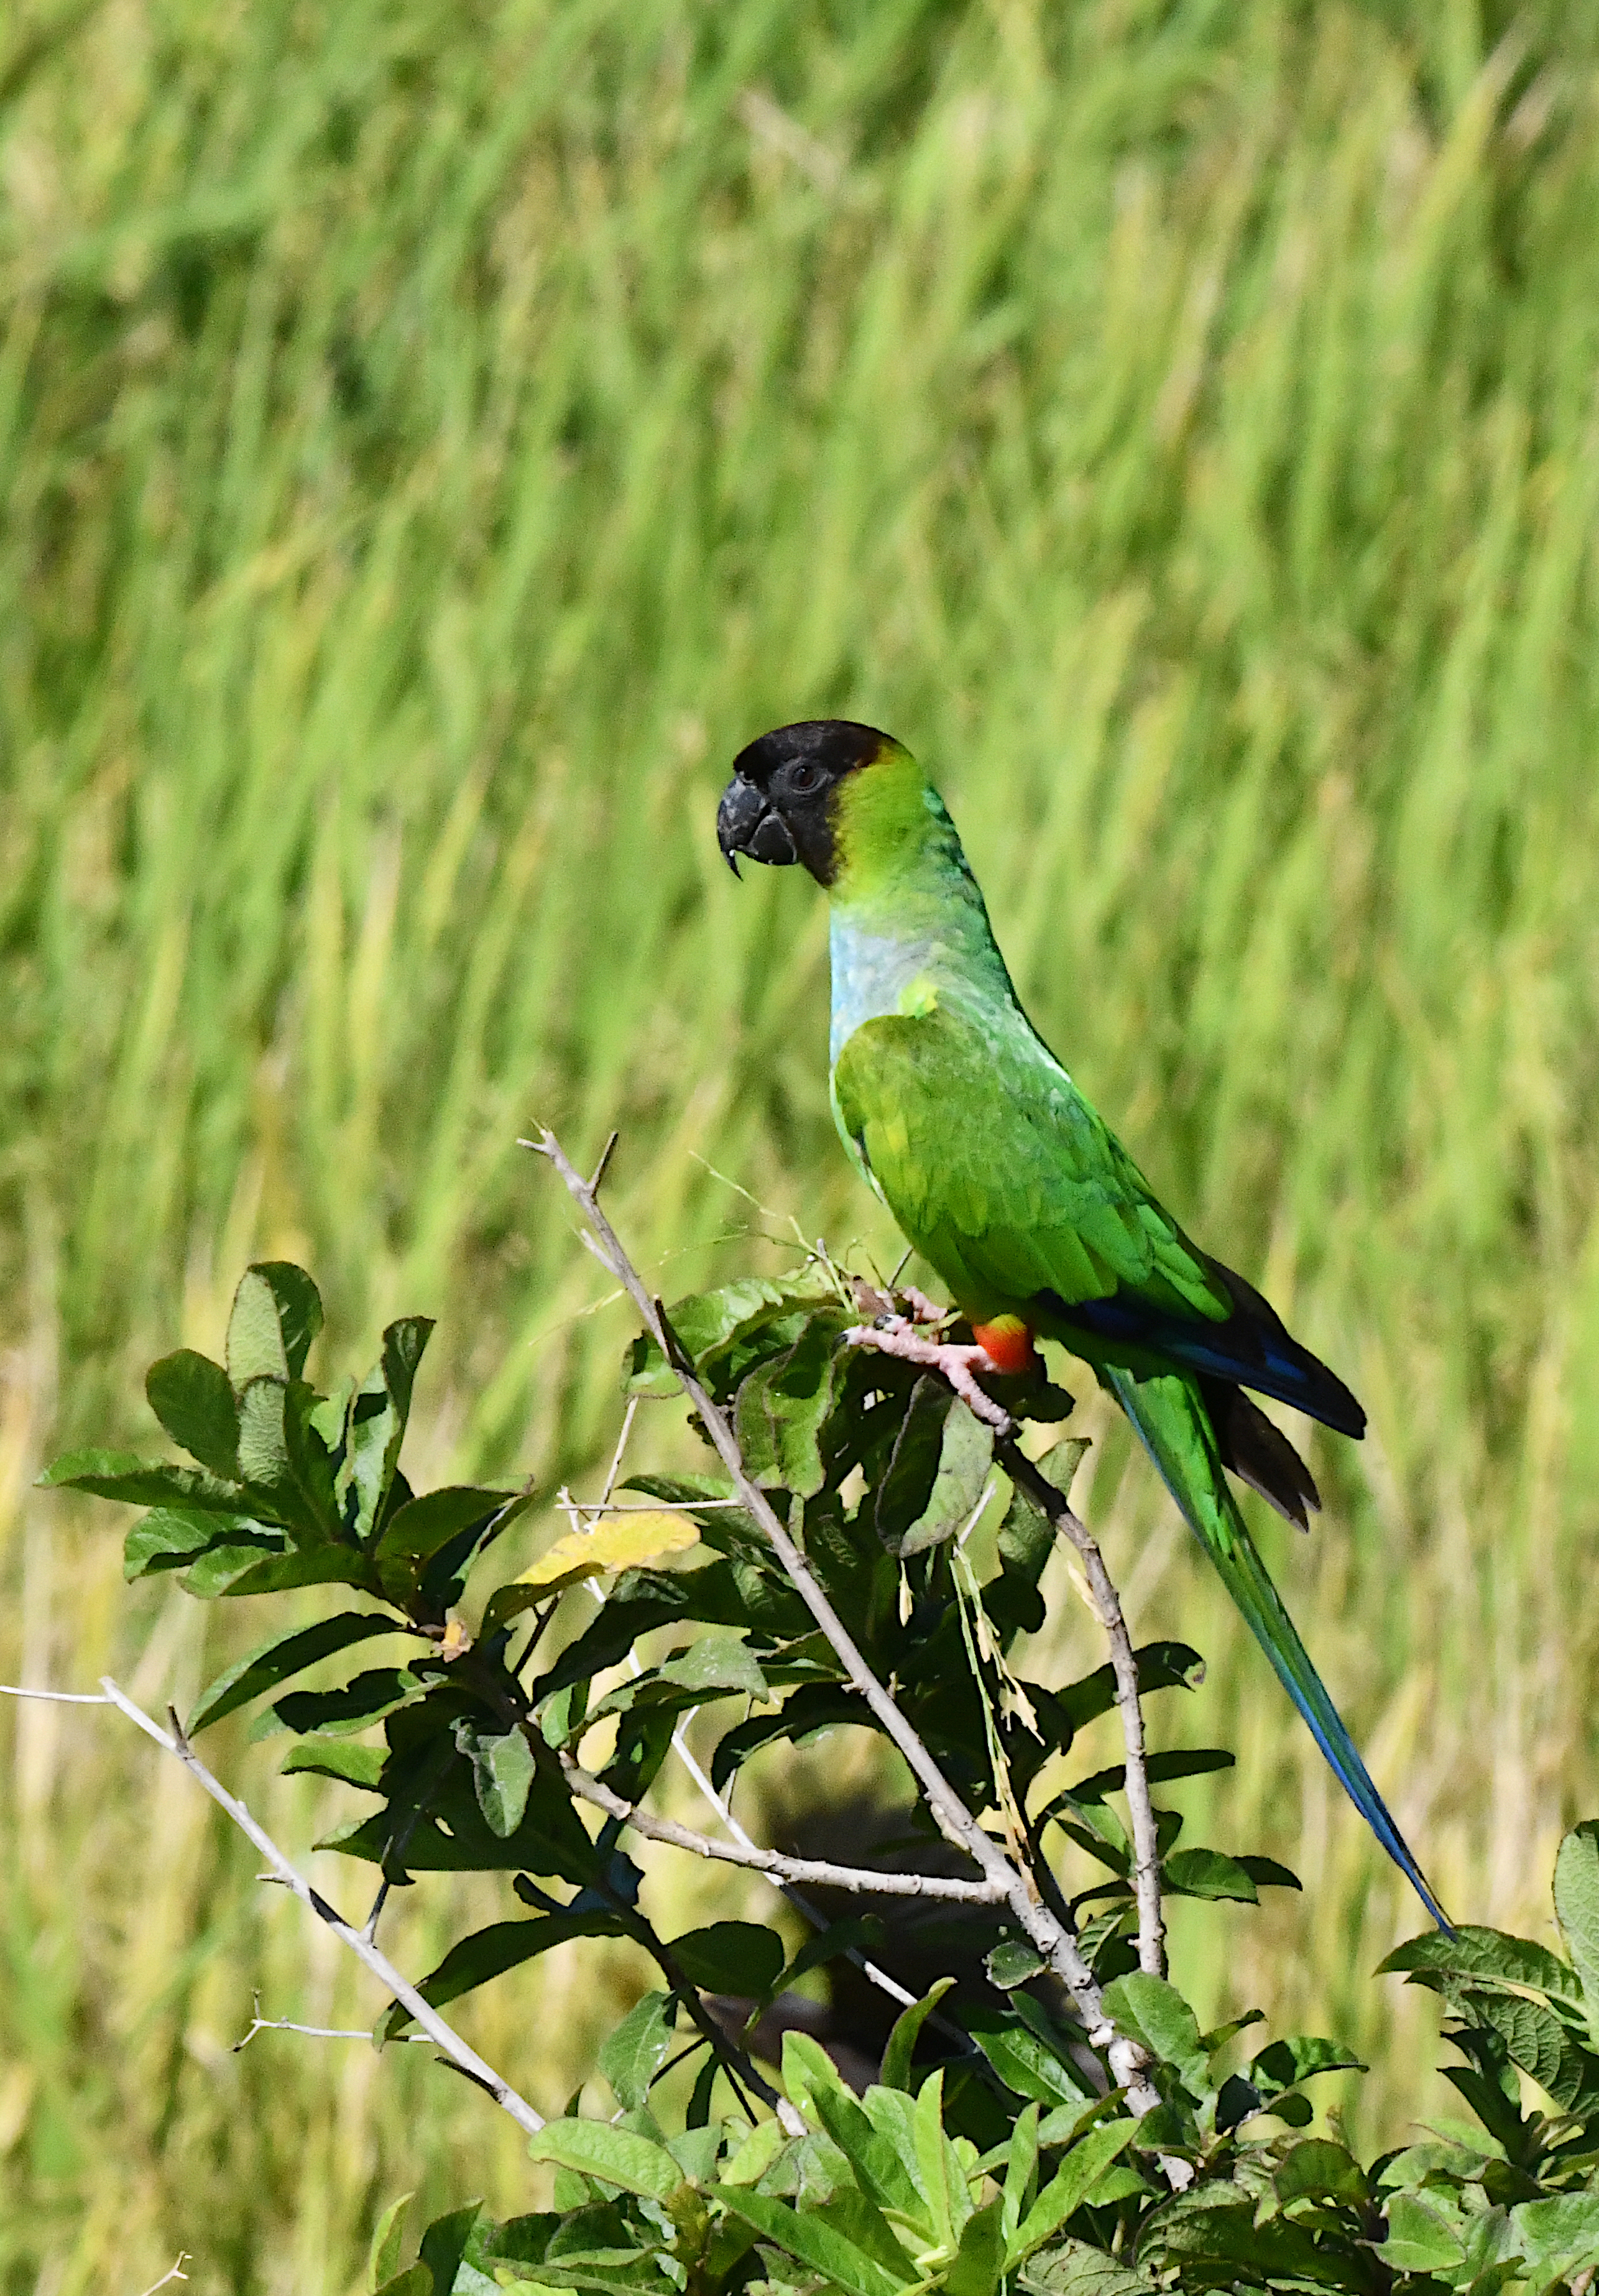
(779, 805)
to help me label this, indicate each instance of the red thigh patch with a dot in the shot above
(1007, 1342)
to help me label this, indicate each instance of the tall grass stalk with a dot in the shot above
(432, 439)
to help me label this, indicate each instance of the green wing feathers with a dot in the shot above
(1000, 1172)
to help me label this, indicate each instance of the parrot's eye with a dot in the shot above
(804, 779)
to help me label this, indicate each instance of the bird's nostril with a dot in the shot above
(772, 841)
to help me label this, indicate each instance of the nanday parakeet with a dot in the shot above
(1010, 1185)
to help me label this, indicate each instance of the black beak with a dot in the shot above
(747, 823)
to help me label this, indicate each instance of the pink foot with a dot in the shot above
(895, 1336)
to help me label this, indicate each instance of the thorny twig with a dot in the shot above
(1128, 2061)
(466, 2059)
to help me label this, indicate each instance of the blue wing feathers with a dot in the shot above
(1251, 1348)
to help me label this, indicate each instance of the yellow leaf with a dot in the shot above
(617, 1542)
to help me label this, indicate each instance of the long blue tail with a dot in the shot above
(1169, 1416)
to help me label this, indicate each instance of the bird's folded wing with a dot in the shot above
(1002, 1174)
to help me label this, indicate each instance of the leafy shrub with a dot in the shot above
(995, 2145)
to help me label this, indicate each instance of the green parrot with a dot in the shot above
(1010, 1185)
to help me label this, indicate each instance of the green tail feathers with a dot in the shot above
(1174, 1427)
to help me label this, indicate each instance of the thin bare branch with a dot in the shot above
(1107, 1609)
(617, 1456)
(311, 2032)
(1049, 1935)
(605, 1155)
(453, 2048)
(177, 2271)
(818, 1872)
(59, 1698)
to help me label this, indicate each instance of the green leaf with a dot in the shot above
(550, 1839)
(417, 2279)
(283, 1459)
(1161, 1666)
(123, 1476)
(980, 2259)
(415, 1532)
(382, 2258)
(904, 1492)
(255, 1348)
(1023, 2059)
(338, 1757)
(634, 2054)
(263, 1443)
(1075, 2269)
(1538, 2041)
(617, 2156)
(298, 1309)
(1021, 2171)
(811, 2075)
(1266, 1874)
(707, 1323)
(1069, 2187)
(1191, 1762)
(907, 2030)
(1561, 2235)
(378, 1413)
(1418, 2239)
(815, 2244)
(938, 2167)
(1577, 1910)
(779, 1413)
(1014, 1960)
(1297, 2058)
(1026, 1542)
(166, 1538)
(1319, 2169)
(276, 1663)
(1490, 1957)
(1155, 2012)
(445, 2243)
(490, 1953)
(1208, 1873)
(191, 1397)
(501, 1770)
(819, 1706)
(964, 1459)
(749, 2164)
(232, 1555)
(241, 1570)
(354, 1706)
(716, 1663)
(738, 1957)
(277, 1314)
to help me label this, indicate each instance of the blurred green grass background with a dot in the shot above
(433, 438)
